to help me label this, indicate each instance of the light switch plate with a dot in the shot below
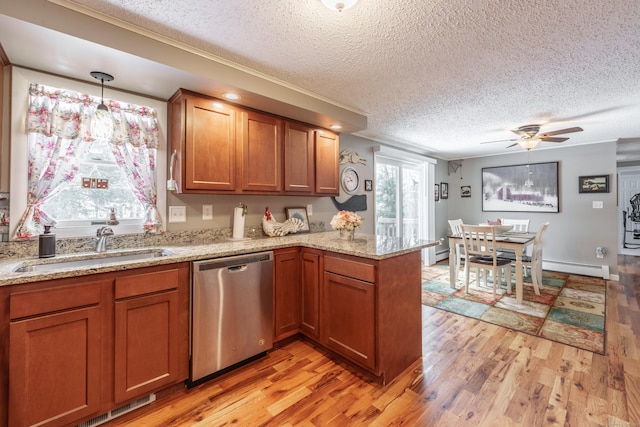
(598, 204)
(207, 212)
(309, 209)
(177, 214)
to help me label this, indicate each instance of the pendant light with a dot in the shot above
(338, 5)
(102, 122)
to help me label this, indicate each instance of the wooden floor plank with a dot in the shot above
(472, 374)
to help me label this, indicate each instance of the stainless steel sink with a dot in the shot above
(55, 264)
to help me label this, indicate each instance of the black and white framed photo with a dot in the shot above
(368, 185)
(465, 191)
(593, 184)
(437, 193)
(301, 214)
(521, 188)
(444, 190)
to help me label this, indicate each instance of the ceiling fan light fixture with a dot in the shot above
(102, 122)
(339, 6)
(528, 143)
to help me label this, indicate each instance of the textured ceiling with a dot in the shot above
(440, 75)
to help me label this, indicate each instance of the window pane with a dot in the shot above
(75, 203)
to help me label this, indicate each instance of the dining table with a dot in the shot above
(516, 241)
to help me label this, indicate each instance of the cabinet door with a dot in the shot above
(310, 289)
(211, 153)
(286, 293)
(327, 147)
(348, 319)
(262, 152)
(299, 169)
(55, 369)
(146, 344)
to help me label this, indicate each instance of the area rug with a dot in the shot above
(570, 308)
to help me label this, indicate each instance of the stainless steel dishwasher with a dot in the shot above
(231, 311)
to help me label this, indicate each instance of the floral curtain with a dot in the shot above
(135, 145)
(58, 127)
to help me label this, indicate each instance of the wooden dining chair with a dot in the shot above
(520, 226)
(533, 262)
(456, 228)
(480, 251)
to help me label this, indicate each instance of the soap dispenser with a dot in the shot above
(47, 243)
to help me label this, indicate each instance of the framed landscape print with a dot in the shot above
(593, 184)
(521, 188)
(465, 191)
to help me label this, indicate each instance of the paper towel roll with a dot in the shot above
(238, 223)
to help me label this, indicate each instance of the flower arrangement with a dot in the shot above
(346, 220)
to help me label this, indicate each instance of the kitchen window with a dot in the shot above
(74, 180)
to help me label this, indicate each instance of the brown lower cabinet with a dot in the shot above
(81, 347)
(286, 310)
(367, 311)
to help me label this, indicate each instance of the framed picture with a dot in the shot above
(444, 190)
(465, 191)
(437, 193)
(593, 184)
(521, 188)
(368, 185)
(301, 214)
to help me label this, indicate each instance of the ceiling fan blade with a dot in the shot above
(561, 131)
(552, 139)
(500, 140)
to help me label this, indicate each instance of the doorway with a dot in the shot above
(402, 207)
(629, 233)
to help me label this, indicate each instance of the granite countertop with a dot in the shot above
(364, 245)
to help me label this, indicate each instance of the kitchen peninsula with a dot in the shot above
(358, 299)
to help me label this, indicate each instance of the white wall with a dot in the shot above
(577, 229)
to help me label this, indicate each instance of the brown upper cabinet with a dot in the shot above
(224, 149)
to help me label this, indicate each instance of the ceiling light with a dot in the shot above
(528, 143)
(102, 122)
(232, 96)
(336, 127)
(339, 5)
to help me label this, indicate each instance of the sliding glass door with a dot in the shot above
(400, 191)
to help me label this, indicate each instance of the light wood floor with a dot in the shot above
(472, 374)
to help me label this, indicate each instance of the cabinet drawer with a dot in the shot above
(147, 283)
(34, 303)
(349, 268)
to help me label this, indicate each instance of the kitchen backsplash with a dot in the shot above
(29, 248)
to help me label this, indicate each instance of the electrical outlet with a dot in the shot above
(598, 204)
(207, 212)
(309, 209)
(177, 214)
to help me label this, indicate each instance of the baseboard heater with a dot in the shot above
(101, 419)
(574, 268)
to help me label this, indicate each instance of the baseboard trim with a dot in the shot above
(583, 269)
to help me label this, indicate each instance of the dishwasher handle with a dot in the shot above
(238, 268)
(231, 262)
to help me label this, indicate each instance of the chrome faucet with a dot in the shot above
(102, 234)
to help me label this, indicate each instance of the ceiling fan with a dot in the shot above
(530, 136)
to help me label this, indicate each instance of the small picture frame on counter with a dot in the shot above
(301, 214)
